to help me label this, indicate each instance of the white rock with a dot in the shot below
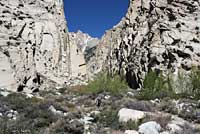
(95, 112)
(130, 93)
(57, 93)
(174, 128)
(125, 115)
(150, 128)
(5, 93)
(165, 132)
(65, 114)
(87, 120)
(56, 112)
(131, 132)
(14, 118)
(10, 115)
(28, 95)
(107, 97)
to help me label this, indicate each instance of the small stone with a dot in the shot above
(9, 115)
(56, 112)
(4, 93)
(131, 132)
(87, 120)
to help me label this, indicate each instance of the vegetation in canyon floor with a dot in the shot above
(184, 85)
(105, 83)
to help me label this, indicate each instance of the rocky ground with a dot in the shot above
(65, 112)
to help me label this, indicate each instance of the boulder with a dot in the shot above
(151, 127)
(179, 126)
(126, 115)
(56, 112)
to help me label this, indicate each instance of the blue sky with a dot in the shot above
(94, 16)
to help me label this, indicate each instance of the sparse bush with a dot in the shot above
(183, 85)
(187, 85)
(67, 126)
(140, 105)
(168, 106)
(13, 127)
(162, 119)
(130, 125)
(109, 118)
(105, 83)
(62, 90)
(195, 80)
(156, 86)
(33, 114)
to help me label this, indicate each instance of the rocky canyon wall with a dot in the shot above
(34, 44)
(162, 35)
(36, 49)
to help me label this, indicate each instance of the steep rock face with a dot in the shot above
(154, 34)
(34, 44)
(84, 41)
(83, 47)
(78, 64)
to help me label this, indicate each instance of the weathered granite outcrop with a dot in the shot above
(154, 34)
(34, 44)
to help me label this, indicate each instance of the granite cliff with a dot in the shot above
(34, 44)
(162, 35)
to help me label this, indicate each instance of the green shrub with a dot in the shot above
(187, 85)
(184, 85)
(104, 83)
(156, 86)
(195, 80)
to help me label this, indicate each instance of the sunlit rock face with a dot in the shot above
(83, 48)
(77, 47)
(34, 46)
(155, 34)
(83, 40)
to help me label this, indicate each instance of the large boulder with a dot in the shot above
(126, 115)
(150, 128)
